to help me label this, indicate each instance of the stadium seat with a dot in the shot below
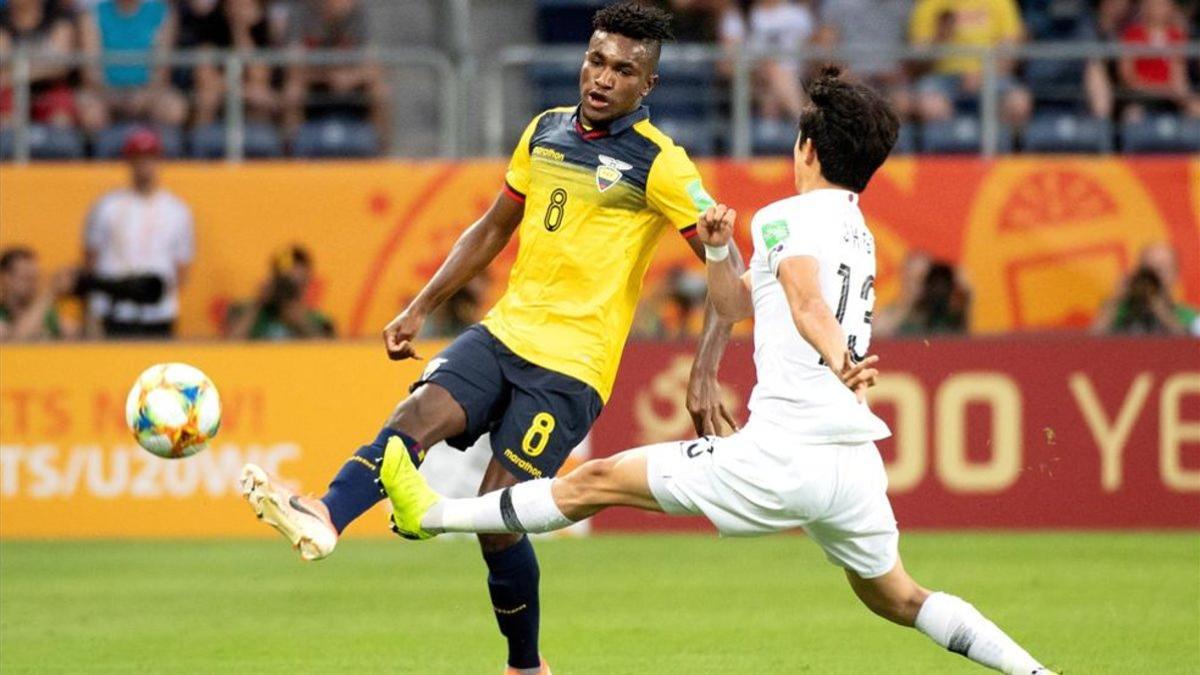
(1064, 132)
(1161, 134)
(1054, 84)
(258, 141)
(696, 136)
(47, 142)
(960, 135)
(336, 138)
(108, 143)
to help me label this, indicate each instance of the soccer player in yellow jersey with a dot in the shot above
(591, 188)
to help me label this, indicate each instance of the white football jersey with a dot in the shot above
(797, 393)
(135, 234)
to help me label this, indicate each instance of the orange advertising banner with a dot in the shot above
(1043, 240)
(70, 467)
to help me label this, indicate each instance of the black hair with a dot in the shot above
(636, 22)
(289, 257)
(851, 126)
(14, 255)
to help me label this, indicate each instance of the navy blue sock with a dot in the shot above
(356, 488)
(513, 584)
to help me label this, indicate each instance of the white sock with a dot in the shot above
(954, 624)
(525, 507)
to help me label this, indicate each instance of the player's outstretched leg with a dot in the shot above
(541, 505)
(948, 620)
(302, 520)
(314, 525)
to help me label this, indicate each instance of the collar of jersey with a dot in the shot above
(615, 127)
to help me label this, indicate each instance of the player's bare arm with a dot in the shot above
(817, 325)
(471, 254)
(704, 390)
(727, 290)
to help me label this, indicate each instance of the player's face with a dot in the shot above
(143, 169)
(20, 282)
(617, 73)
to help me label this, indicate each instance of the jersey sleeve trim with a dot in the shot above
(689, 231)
(513, 193)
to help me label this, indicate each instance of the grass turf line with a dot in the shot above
(1086, 603)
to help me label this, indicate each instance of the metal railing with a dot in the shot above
(234, 63)
(501, 119)
(505, 98)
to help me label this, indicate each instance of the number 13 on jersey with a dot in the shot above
(854, 328)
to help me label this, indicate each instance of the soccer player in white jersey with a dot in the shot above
(806, 458)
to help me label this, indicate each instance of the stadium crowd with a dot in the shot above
(288, 104)
(107, 99)
(141, 111)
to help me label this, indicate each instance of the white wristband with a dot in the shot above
(716, 253)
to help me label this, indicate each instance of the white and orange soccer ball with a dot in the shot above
(173, 410)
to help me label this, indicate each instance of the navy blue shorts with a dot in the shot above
(535, 416)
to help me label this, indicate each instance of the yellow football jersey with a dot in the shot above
(596, 203)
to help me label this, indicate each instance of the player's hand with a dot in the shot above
(859, 377)
(706, 408)
(715, 227)
(399, 335)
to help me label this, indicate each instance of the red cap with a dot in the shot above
(141, 141)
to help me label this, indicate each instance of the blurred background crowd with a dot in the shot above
(311, 81)
(143, 80)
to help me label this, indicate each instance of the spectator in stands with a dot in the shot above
(1157, 83)
(27, 312)
(686, 292)
(283, 309)
(866, 29)
(45, 27)
(133, 233)
(886, 321)
(138, 91)
(1146, 301)
(1057, 80)
(222, 25)
(694, 21)
(774, 27)
(1111, 18)
(339, 89)
(956, 80)
(934, 299)
(464, 309)
(675, 308)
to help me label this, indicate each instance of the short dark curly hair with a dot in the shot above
(851, 126)
(13, 255)
(636, 22)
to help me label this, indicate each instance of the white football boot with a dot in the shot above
(302, 520)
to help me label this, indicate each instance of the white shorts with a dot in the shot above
(750, 484)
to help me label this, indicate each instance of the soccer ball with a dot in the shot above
(173, 410)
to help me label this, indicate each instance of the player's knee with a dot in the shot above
(581, 486)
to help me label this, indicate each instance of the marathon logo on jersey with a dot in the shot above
(548, 153)
(610, 172)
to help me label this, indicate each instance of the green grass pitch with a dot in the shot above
(1086, 603)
